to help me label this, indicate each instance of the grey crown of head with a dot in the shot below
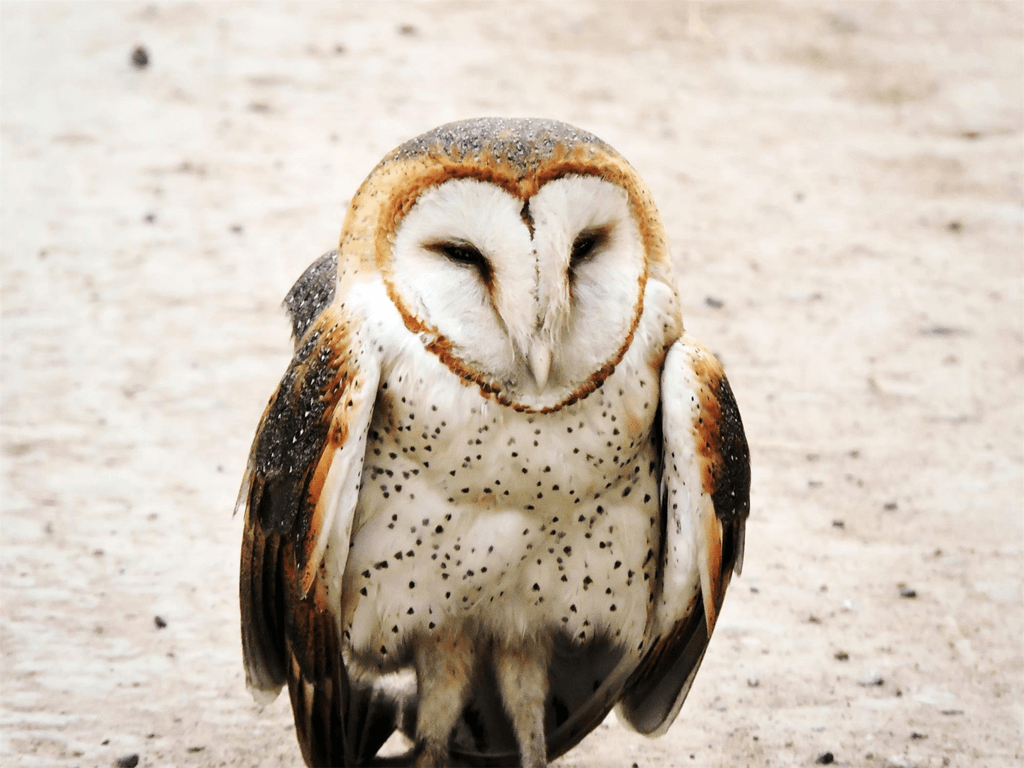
(521, 141)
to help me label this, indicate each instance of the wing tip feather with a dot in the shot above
(263, 694)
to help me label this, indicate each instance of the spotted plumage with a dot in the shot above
(498, 491)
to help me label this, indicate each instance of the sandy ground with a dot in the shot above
(842, 186)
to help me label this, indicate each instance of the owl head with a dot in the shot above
(519, 251)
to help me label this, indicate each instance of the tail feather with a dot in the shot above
(262, 648)
(660, 684)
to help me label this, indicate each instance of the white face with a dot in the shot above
(535, 313)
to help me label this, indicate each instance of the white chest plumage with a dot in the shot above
(517, 523)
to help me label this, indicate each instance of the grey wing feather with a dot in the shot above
(312, 293)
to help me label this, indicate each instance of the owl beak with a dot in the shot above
(540, 362)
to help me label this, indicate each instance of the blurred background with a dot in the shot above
(842, 188)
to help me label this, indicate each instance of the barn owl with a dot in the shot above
(499, 491)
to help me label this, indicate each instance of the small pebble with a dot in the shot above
(140, 60)
(160, 622)
(825, 758)
(889, 506)
(871, 678)
(916, 735)
(841, 656)
(714, 303)
(838, 523)
(908, 592)
(127, 761)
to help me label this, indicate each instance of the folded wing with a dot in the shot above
(302, 483)
(705, 504)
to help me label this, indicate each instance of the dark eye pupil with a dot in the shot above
(584, 245)
(463, 254)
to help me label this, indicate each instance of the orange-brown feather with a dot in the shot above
(717, 581)
(725, 462)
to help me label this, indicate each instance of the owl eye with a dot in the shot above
(464, 254)
(460, 253)
(587, 243)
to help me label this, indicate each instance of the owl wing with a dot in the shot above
(705, 503)
(302, 482)
(312, 293)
